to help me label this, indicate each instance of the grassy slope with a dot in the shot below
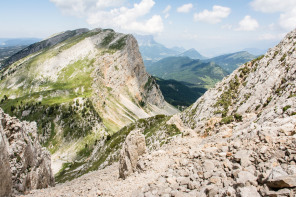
(232, 61)
(52, 104)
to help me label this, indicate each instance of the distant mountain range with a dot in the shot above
(151, 50)
(193, 54)
(230, 62)
(193, 72)
(255, 51)
(9, 46)
(189, 66)
(8, 42)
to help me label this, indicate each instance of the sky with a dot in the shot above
(210, 26)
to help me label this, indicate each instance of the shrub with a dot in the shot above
(286, 108)
(267, 101)
(12, 108)
(227, 120)
(257, 107)
(142, 103)
(119, 44)
(238, 117)
(283, 57)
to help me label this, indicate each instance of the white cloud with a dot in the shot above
(81, 7)
(288, 19)
(287, 8)
(166, 11)
(227, 26)
(111, 14)
(214, 16)
(270, 6)
(248, 24)
(185, 8)
(269, 36)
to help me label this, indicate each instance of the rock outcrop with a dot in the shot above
(133, 147)
(25, 165)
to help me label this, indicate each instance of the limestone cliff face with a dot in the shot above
(131, 93)
(25, 165)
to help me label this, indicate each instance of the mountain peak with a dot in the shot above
(193, 54)
(145, 40)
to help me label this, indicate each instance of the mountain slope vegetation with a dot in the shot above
(185, 69)
(178, 94)
(232, 61)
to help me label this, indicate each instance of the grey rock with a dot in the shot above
(209, 166)
(242, 156)
(291, 170)
(244, 177)
(277, 172)
(193, 185)
(282, 182)
(133, 147)
(183, 180)
(249, 191)
(211, 191)
(282, 192)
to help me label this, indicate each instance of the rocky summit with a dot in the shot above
(25, 165)
(238, 139)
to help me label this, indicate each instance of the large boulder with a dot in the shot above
(133, 147)
(25, 165)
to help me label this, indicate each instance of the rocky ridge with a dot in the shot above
(39, 46)
(25, 165)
